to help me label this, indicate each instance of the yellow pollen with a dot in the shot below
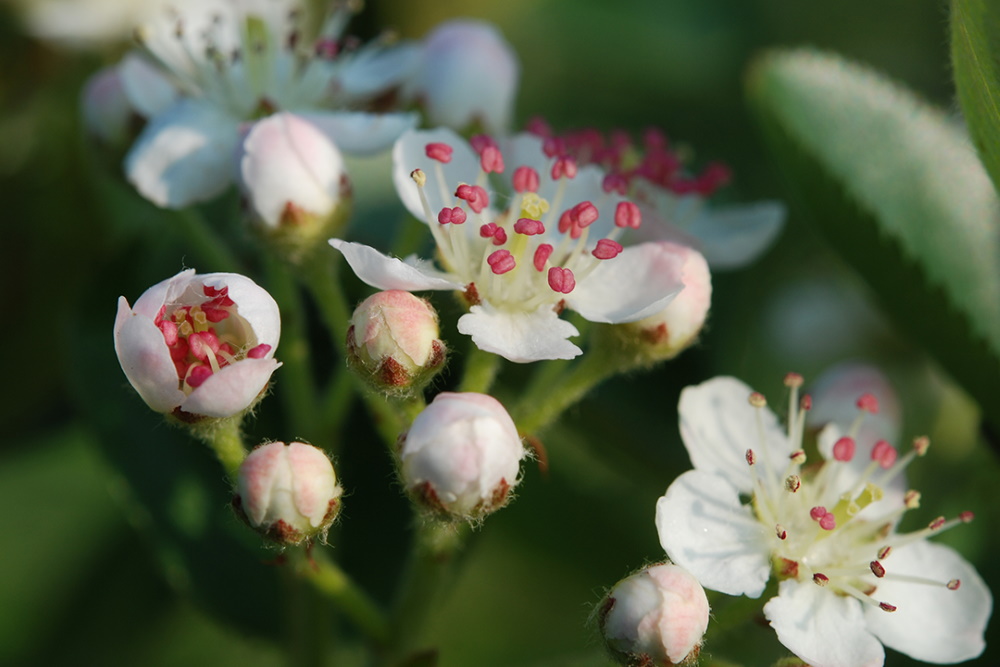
(533, 206)
(185, 329)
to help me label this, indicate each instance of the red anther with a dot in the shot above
(654, 139)
(258, 352)
(500, 237)
(954, 584)
(788, 568)
(793, 483)
(440, 152)
(607, 249)
(567, 221)
(529, 227)
(561, 280)
(475, 195)
(884, 552)
(538, 126)
(627, 214)
(169, 330)
(491, 160)
(757, 399)
(501, 261)
(211, 291)
(828, 522)
(818, 512)
(620, 139)
(868, 403)
(554, 147)
(525, 180)
(214, 315)
(798, 457)
(615, 182)
(585, 213)
(712, 178)
(179, 350)
(937, 523)
(921, 445)
(843, 449)
(488, 230)
(751, 458)
(793, 380)
(480, 142)
(455, 216)
(198, 374)
(911, 499)
(885, 606)
(820, 579)
(806, 403)
(780, 531)
(542, 254)
(564, 167)
(884, 453)
(202, 344)
(327, 48)
(966, 516)
(877, 569)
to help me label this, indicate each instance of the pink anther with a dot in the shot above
(884, 453)
(491, 160)
(877, 569)
(493, 231)
(501, 261)
(169, 330)
(627, 214)
(615, 182)
(966, 516)
(455, 216)
(525, 180)
(259, 352)
(818, 513)
(828, 522)
(585, 213)
(198, 374)
(868, 403)
(440, 152)
(564, 166)
(480, 142)
(843, 449)
(542, 254)
(806, 402)
(475, 195)
(538, 126)
(885, 606)
(554, 147)
(203, 344)
(654, 139)
(607, 249)
(712, 178)
(561, 280)
(529, 227)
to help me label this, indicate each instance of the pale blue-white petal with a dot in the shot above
(519, 336)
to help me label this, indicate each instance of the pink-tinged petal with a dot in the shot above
(149, 304)
(254, 304)
(410, 153)
(932, 623)
(704, 528)
(732, 237)
(518, 336)
(184, 156)
(372, 71)
(385, 272)
(718, 425)
(639, 282)
(232, 389)
(822, 628)
(149, 92)
(315, 481)
(258, 474)
(145, 359)
(362, 133)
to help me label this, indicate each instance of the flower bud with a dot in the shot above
(461, 456)
(294, 181)
(656, 616)
(467, 73)
(835, 396)
(287, 493)
(393, 341)
(107, 113)
(197, 346)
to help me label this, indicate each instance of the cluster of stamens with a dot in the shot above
(819, 530)
(623, 161)
(197, 349)
(533, 253)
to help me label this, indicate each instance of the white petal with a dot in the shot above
(410, 152)
(185, 155)
(731, 237)
(822, 628)
(518, 336)
(847, 475)
(254, 304)
(931, 623)
(385, 272)
(361, 133)
(704, 528)
(639, 282)
(165, 291)
(232, 389)
(718, 426)
(145, 358)
(148, 90)
(371, 71)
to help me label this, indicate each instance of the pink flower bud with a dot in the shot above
(197, 346)
(462, 455)
(467, 73)
(393, 341)
(657, 616)
(288, 493)
(292, 174)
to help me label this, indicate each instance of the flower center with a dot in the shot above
(206, 337)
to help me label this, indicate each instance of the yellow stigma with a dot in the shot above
(533, 206)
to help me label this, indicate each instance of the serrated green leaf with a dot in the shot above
(975, 53)
(899, 192)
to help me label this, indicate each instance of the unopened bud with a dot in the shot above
(462, 455)
(657, 616)
(393, 341)
(287, 493)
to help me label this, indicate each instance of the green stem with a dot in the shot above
(480, 371)
(337, 401)
(548, 400)
(307, 632)
(328, 579)
(318, 272)
(207, 244)
(226, 440)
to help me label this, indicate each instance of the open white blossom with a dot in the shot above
(553, 246)
(849, 581)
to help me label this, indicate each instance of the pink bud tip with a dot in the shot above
(542, 254)
(455, 216)
(627, 214)
(526, 180)
(561, 280)
(440, 152)
(607, 249)
(843, 449)
(501, 261)
(491, 160)
(528, 227)
(259, 352)
(868, 403)
(884, 453)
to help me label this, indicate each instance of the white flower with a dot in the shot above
(234, 62)
(288, 493)
(199, 345)
(849, 582)
(518, 267)
(92, 23)
(462, 455)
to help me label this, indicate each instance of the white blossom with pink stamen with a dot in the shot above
(519, 258)
(849, 582)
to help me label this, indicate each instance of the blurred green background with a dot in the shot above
(119, 548)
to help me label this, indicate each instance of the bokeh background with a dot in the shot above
(118, 547)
